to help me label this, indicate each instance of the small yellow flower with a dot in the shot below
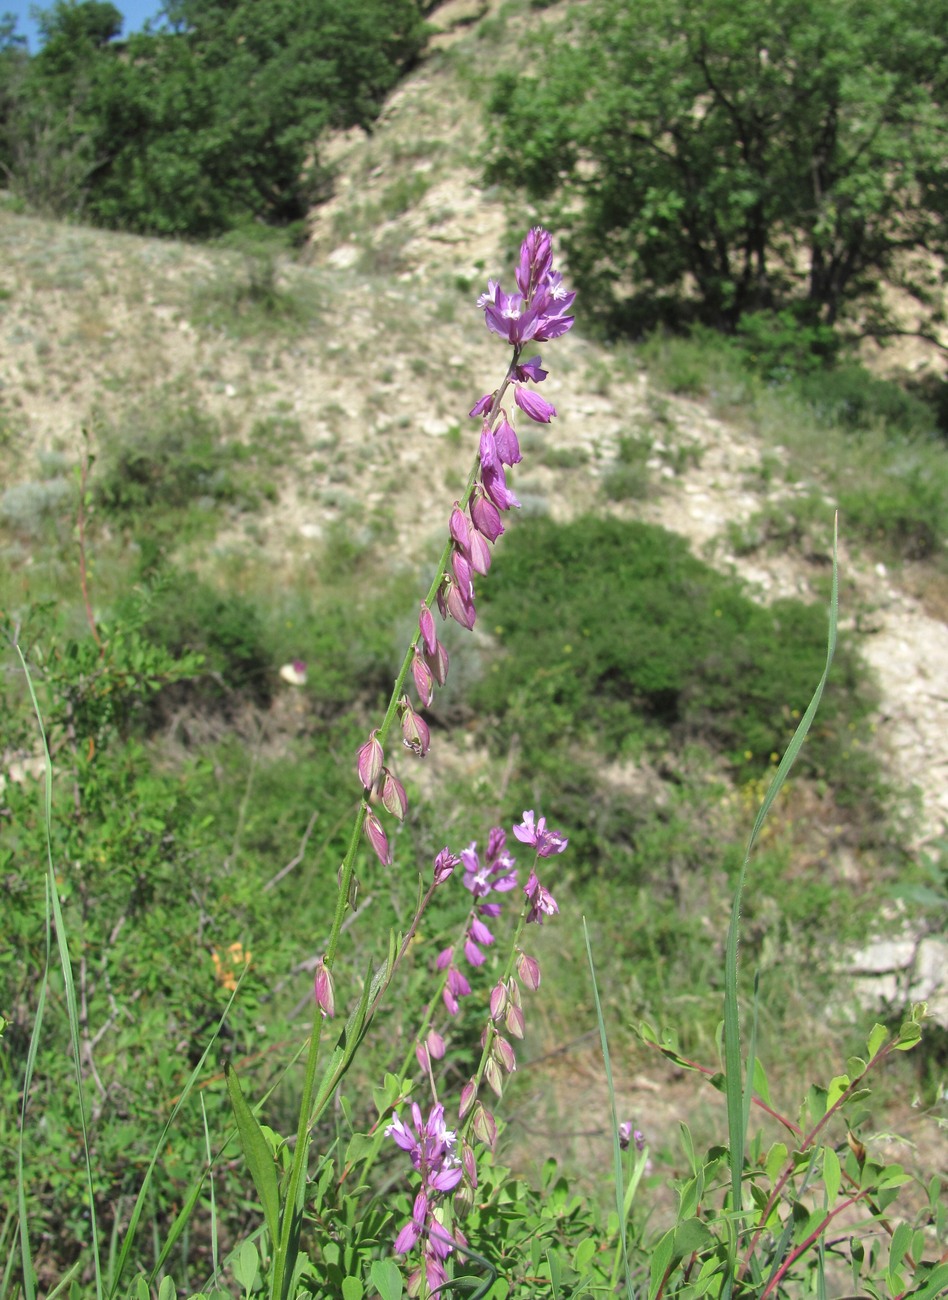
(227, 974)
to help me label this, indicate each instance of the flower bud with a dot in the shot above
(424, 682)
(370, 759)
(498, 1001)
(479, 552)
(495, 1079)
(323, 989)
(468, 1098)
(426, 627)
(444, 864)
(469, 1162)
(514, 1021)
(486, 517)
(508, 448)
(421, 1056)
(461, 610)
(503, 1053)
(392, 791)
(463, 576)
(435, 1044)
(528, 968)
(415, 732)
(488, 448)
(458, 528)
(378, 839)
(438, 663)
(463, 1201)
(484, 1125)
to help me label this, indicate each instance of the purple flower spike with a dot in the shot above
(534, 405)
(370, 759)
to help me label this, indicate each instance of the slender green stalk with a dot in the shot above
(286, 1248)
(72, 1007)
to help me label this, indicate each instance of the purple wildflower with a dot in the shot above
(538, 837)
(431, 1146)
(369, 760)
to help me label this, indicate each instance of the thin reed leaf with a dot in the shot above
(616, 1150)
(65, 962)
(258, 1155)
(734, 1090)
(215, 1258)
(159, 1148)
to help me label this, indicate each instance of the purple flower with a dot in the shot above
(495, 485)
(534, 405)
(485, 517)
(426, 627)
(369, 761)
(444, 864)
(538, 837)
(378, 839)
(431, 1146)
(537, 312)
(542, 903)
(505, 440)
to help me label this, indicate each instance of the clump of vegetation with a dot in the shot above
(626, 635)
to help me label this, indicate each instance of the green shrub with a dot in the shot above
(625, 633)
(853, 398)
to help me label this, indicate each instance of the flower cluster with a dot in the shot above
(536, 313)
(443, 1158)
(433, 1149)
(497, 875)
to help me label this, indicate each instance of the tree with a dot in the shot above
(215, 122)
(721, 157)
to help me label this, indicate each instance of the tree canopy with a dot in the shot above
(210, 122)
(727, 156)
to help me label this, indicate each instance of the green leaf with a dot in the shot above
(832, 1175)
(760, 1082)
(877, 1037)
(691, 1236)
(661, 1258)
(386, 1279)
(258, 1155)
(837, 1087)
(167, 1290)
(584, 1253)
(245, 1265)
(352, 1288)
(774, 1163)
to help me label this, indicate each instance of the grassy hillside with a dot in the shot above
(219, 460)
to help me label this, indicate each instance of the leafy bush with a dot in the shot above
(625, 631)
(694, 151)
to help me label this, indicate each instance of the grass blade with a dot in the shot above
(65, 962)
(734, 1089)
(616, 1151)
